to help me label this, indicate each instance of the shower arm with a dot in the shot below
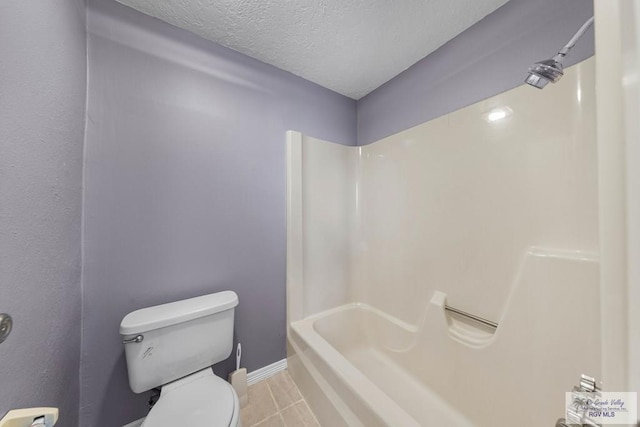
(565, 50)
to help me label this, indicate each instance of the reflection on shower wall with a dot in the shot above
(491, 209)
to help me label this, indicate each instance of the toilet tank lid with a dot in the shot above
(160, 316)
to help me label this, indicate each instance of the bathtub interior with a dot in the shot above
(498, 219)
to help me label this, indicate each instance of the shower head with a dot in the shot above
(551, 70)
(543, 72)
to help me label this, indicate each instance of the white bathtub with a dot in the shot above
(358, 366)
(379, 391)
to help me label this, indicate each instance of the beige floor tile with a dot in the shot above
(299, 415)
(272, 421)
(260, 406)
(284, 390)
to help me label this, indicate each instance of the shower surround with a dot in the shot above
(491, 209)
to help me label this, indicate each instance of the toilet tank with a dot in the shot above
(170, 341)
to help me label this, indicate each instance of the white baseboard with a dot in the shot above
(137, 423)
(266, 372)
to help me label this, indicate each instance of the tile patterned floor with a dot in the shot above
(276, 402)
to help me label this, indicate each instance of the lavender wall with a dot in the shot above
(42, 100)
(185, 188)
(488, 58)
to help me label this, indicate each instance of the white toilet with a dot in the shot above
(173, 346)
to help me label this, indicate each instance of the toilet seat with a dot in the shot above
(201, 399)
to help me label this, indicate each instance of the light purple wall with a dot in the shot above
(488, 58)
(185, 188)
(42, 100)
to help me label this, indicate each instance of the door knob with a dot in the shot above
(6, 323)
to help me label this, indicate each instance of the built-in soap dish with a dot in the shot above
(465, 327)
(469, 332)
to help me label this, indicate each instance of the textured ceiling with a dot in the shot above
(349, 46)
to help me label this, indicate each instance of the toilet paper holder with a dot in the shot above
(41, 417)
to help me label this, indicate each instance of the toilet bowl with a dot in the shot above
(173, 346)
(201, 399)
